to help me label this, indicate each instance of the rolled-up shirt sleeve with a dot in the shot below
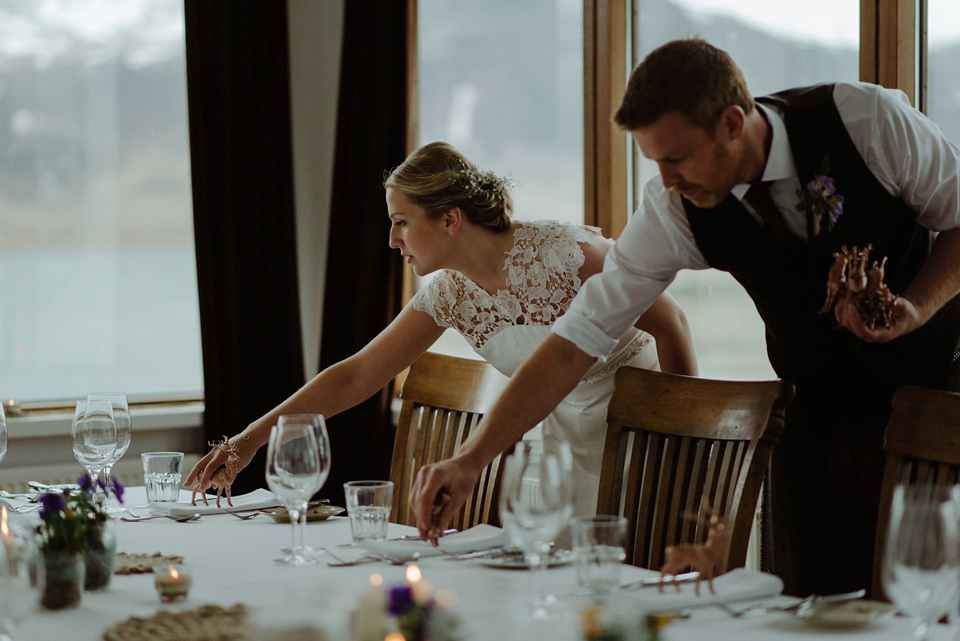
(654, 246)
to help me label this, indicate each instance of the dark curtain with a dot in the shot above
(364, 276)
(239, 107)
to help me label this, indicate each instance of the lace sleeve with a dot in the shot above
(438, 298)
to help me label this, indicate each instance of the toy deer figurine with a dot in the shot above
(223, 478)
(702, 557)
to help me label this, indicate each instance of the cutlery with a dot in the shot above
(242, 516)
(796, 606)
(652, 581)
(339, 563)
(490, 553)
(416, 537)
(179, 519)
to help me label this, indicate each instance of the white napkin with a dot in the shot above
(259, 498)
(479, 537)
(735, 585)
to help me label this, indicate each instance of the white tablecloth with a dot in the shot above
(231, 561)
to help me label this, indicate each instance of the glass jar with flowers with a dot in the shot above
(62, 533)
(100, 546)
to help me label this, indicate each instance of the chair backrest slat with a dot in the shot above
(922, 445)
(675, 442)
(444, 398)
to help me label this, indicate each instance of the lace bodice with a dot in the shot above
(543, 269)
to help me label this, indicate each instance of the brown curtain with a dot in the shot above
(239, 107)
(363, 288)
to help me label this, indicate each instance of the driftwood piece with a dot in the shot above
(853, 280)
(223, 478)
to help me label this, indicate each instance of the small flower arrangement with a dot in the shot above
(68, 518)
(405, 612)
(821, 200)
(599, 624)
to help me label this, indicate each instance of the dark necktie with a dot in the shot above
(758, 197)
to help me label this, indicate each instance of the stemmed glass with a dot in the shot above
(293, 474)
(21, 576)
(94, 434)
(121, 414)
(3, 433)
(323, 452)
(533, 516)
(921, 569)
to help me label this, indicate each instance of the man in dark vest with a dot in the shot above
(734, 196)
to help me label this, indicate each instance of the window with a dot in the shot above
(777, 47)
(943, 66)
(97, 270)
(502, 81)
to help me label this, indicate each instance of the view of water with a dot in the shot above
(132, 325)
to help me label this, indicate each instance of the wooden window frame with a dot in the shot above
(889, 56)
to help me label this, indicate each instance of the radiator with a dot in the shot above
(14, 479)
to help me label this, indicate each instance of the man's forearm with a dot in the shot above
(939, 279)
(534, 391)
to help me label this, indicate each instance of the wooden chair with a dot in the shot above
(675, 441)
(444, 398)
(922, 445)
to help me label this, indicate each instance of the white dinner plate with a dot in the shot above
(846, 614)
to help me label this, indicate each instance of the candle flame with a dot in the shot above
(3, 521)
(413, 573)
(394, 636)
(376, 580)
(173, 573)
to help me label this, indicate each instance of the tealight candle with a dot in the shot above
(172, 582)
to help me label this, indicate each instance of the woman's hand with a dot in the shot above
(202, 472)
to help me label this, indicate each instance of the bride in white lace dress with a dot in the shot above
(501, 284)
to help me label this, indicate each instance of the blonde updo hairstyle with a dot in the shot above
(438, 178)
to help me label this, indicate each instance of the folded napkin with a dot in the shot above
(735, 585)
(259, 498)
(479, 537)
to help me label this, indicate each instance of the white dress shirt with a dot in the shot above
(903, 149)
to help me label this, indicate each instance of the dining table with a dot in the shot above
(231, 561)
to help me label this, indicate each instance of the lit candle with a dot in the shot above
(172, 582)
(370, 618)
(394, 636)
(420, 587)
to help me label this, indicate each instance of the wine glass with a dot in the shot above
(94, 434)
(323, 452)
(293, 474)
(534, 514)
(121, 413)
(921, 569)
(3, 433)
(21, 575)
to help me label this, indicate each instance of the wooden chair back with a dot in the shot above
(444, 398)
(922, 445)
(674, 442)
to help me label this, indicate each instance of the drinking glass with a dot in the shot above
(293, 474)
(368, 506)
(3, 433)
(94, 434)
(21, 575)
(121, 414)
(534, 514)
(598, 550)
(323, 452)
(921, 569)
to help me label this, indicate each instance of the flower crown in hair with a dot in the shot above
(477, 182)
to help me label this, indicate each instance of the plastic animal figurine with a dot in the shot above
(851, 280)
(223, 478)
(702, 557)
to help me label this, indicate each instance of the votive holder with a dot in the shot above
(172, 581)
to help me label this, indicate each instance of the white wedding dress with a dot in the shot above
(542, 279)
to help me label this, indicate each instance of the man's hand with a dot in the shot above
(906, 318)
(439, 491)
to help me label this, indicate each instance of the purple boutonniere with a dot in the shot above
(821, 200)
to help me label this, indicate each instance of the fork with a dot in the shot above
(179, 519)
(243, 517)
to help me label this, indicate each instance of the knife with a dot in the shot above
(667, 581)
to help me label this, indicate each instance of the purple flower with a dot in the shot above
(400, 600)
(837, 208)
(52, 503)
(117, 488)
